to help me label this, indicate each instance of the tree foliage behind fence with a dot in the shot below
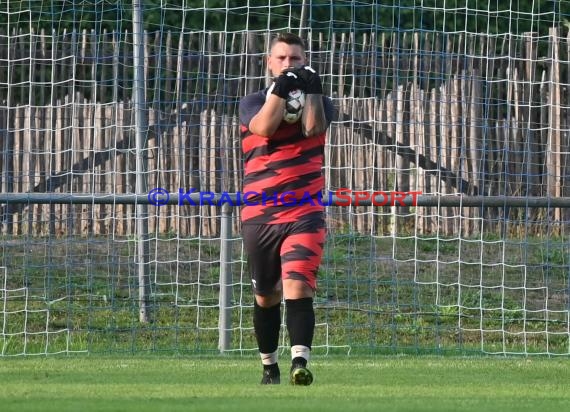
(438, 113)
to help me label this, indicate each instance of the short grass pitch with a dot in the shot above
(396, 383)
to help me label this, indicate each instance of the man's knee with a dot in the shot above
(267, 301)
(297, 289)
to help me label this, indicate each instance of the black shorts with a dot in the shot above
(284, 251)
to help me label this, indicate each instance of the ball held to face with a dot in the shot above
(294, 106)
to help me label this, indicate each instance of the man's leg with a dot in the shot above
(267, 324)
(301, 326)
(262, 246)
(301, 254)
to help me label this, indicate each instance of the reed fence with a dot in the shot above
(436, 113)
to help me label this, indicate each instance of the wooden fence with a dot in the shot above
(436, 113)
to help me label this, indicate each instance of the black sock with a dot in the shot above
(300, 321)
(266, 324)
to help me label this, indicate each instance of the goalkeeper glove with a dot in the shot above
(310, 78)
(287, 81)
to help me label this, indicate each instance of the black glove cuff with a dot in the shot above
(315, 87)
(286, 82)
(280, 89)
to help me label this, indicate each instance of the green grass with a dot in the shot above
(399, 383)
(377, 295)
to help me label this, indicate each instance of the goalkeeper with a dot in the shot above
(284, 242)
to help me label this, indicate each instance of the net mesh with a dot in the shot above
(439, 97)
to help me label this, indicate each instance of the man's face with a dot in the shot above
(284, 55)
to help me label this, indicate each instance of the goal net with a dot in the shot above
(109, 107)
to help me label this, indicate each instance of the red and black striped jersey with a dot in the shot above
(282, 172)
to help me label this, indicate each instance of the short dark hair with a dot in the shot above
(288, 38)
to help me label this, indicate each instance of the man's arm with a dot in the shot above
(313, 119)
(267, 120)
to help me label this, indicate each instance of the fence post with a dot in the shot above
(141, 185)
(225, 298)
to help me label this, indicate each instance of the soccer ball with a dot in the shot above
(294, 106)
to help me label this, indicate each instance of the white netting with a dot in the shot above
(445, 98)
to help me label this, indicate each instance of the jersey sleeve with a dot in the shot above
(249, 106)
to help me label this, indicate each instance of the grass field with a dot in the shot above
(399, 383)
(377, 295)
